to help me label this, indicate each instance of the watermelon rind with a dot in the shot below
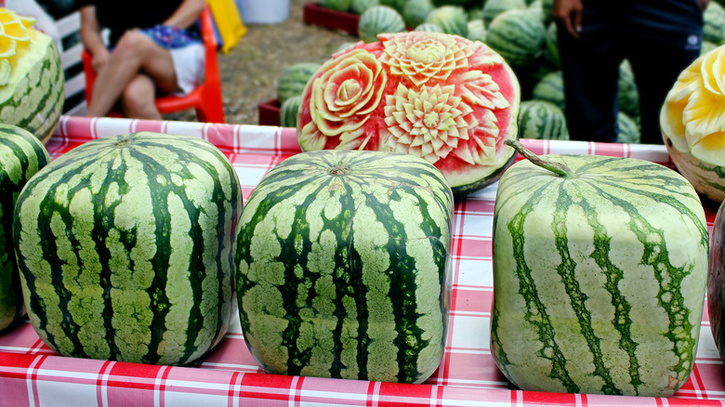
(343, 266)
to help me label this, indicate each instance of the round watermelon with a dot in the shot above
(628, 95)
(442, 97)
(492, 8)
(378, 20)
(21, 156)
(452, 19)
(518, 35)
(552, 46)
(476, 30)
(542, 120)
(359, 6)
(628, 130)
(714, 23)
(429, 27)
(293, 80)
(415, 12)
(339, 5)
(289, 111)
(125, 247)
(342, 266)
(551, 89)
(32, 83)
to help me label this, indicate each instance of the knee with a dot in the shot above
(131, 44)
(137, 95)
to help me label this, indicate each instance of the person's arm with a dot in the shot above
(568, 14)
(187, 13)
(91, 37)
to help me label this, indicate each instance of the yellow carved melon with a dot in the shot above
(32, 85)
(693, 124)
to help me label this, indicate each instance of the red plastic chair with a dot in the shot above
(206, 99)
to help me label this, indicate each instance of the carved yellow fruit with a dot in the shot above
(693, 124)
(32, 85)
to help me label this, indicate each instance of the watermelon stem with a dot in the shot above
(557, 168)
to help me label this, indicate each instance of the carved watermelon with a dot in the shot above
(438, 96)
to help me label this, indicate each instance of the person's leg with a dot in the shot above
(663, 41)
(134, 53)
(138, 99)
(590, 65)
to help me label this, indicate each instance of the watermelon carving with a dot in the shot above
(126, 248)
(32, 85)
(442, 97)
(342, 266)
(693, 127)
(21, 156)
(600, 272)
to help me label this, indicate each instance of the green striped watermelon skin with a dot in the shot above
(379, 20)
(518, 35)
(551, 89)
(126, 248)
(542, 120)
(342, 266)
(34, 98)
(599, 277)
(452, 19)
(21, 156)
(289, 111)
(492, 8)
(293, 80)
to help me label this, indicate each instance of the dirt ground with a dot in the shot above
(249, 72)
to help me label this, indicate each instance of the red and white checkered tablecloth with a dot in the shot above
(33, 375)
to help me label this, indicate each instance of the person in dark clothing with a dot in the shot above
(154, 46)
(659, 38)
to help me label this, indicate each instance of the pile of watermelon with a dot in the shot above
(523, 32)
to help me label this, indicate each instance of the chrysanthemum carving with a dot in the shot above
(422, 56)
(14, 37)
(431, 123)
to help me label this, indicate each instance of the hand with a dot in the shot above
(568, 15)
(703, 4)
(100, 58)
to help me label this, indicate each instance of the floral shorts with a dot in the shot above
(187, 52)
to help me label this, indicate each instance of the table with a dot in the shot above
(33, 375)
